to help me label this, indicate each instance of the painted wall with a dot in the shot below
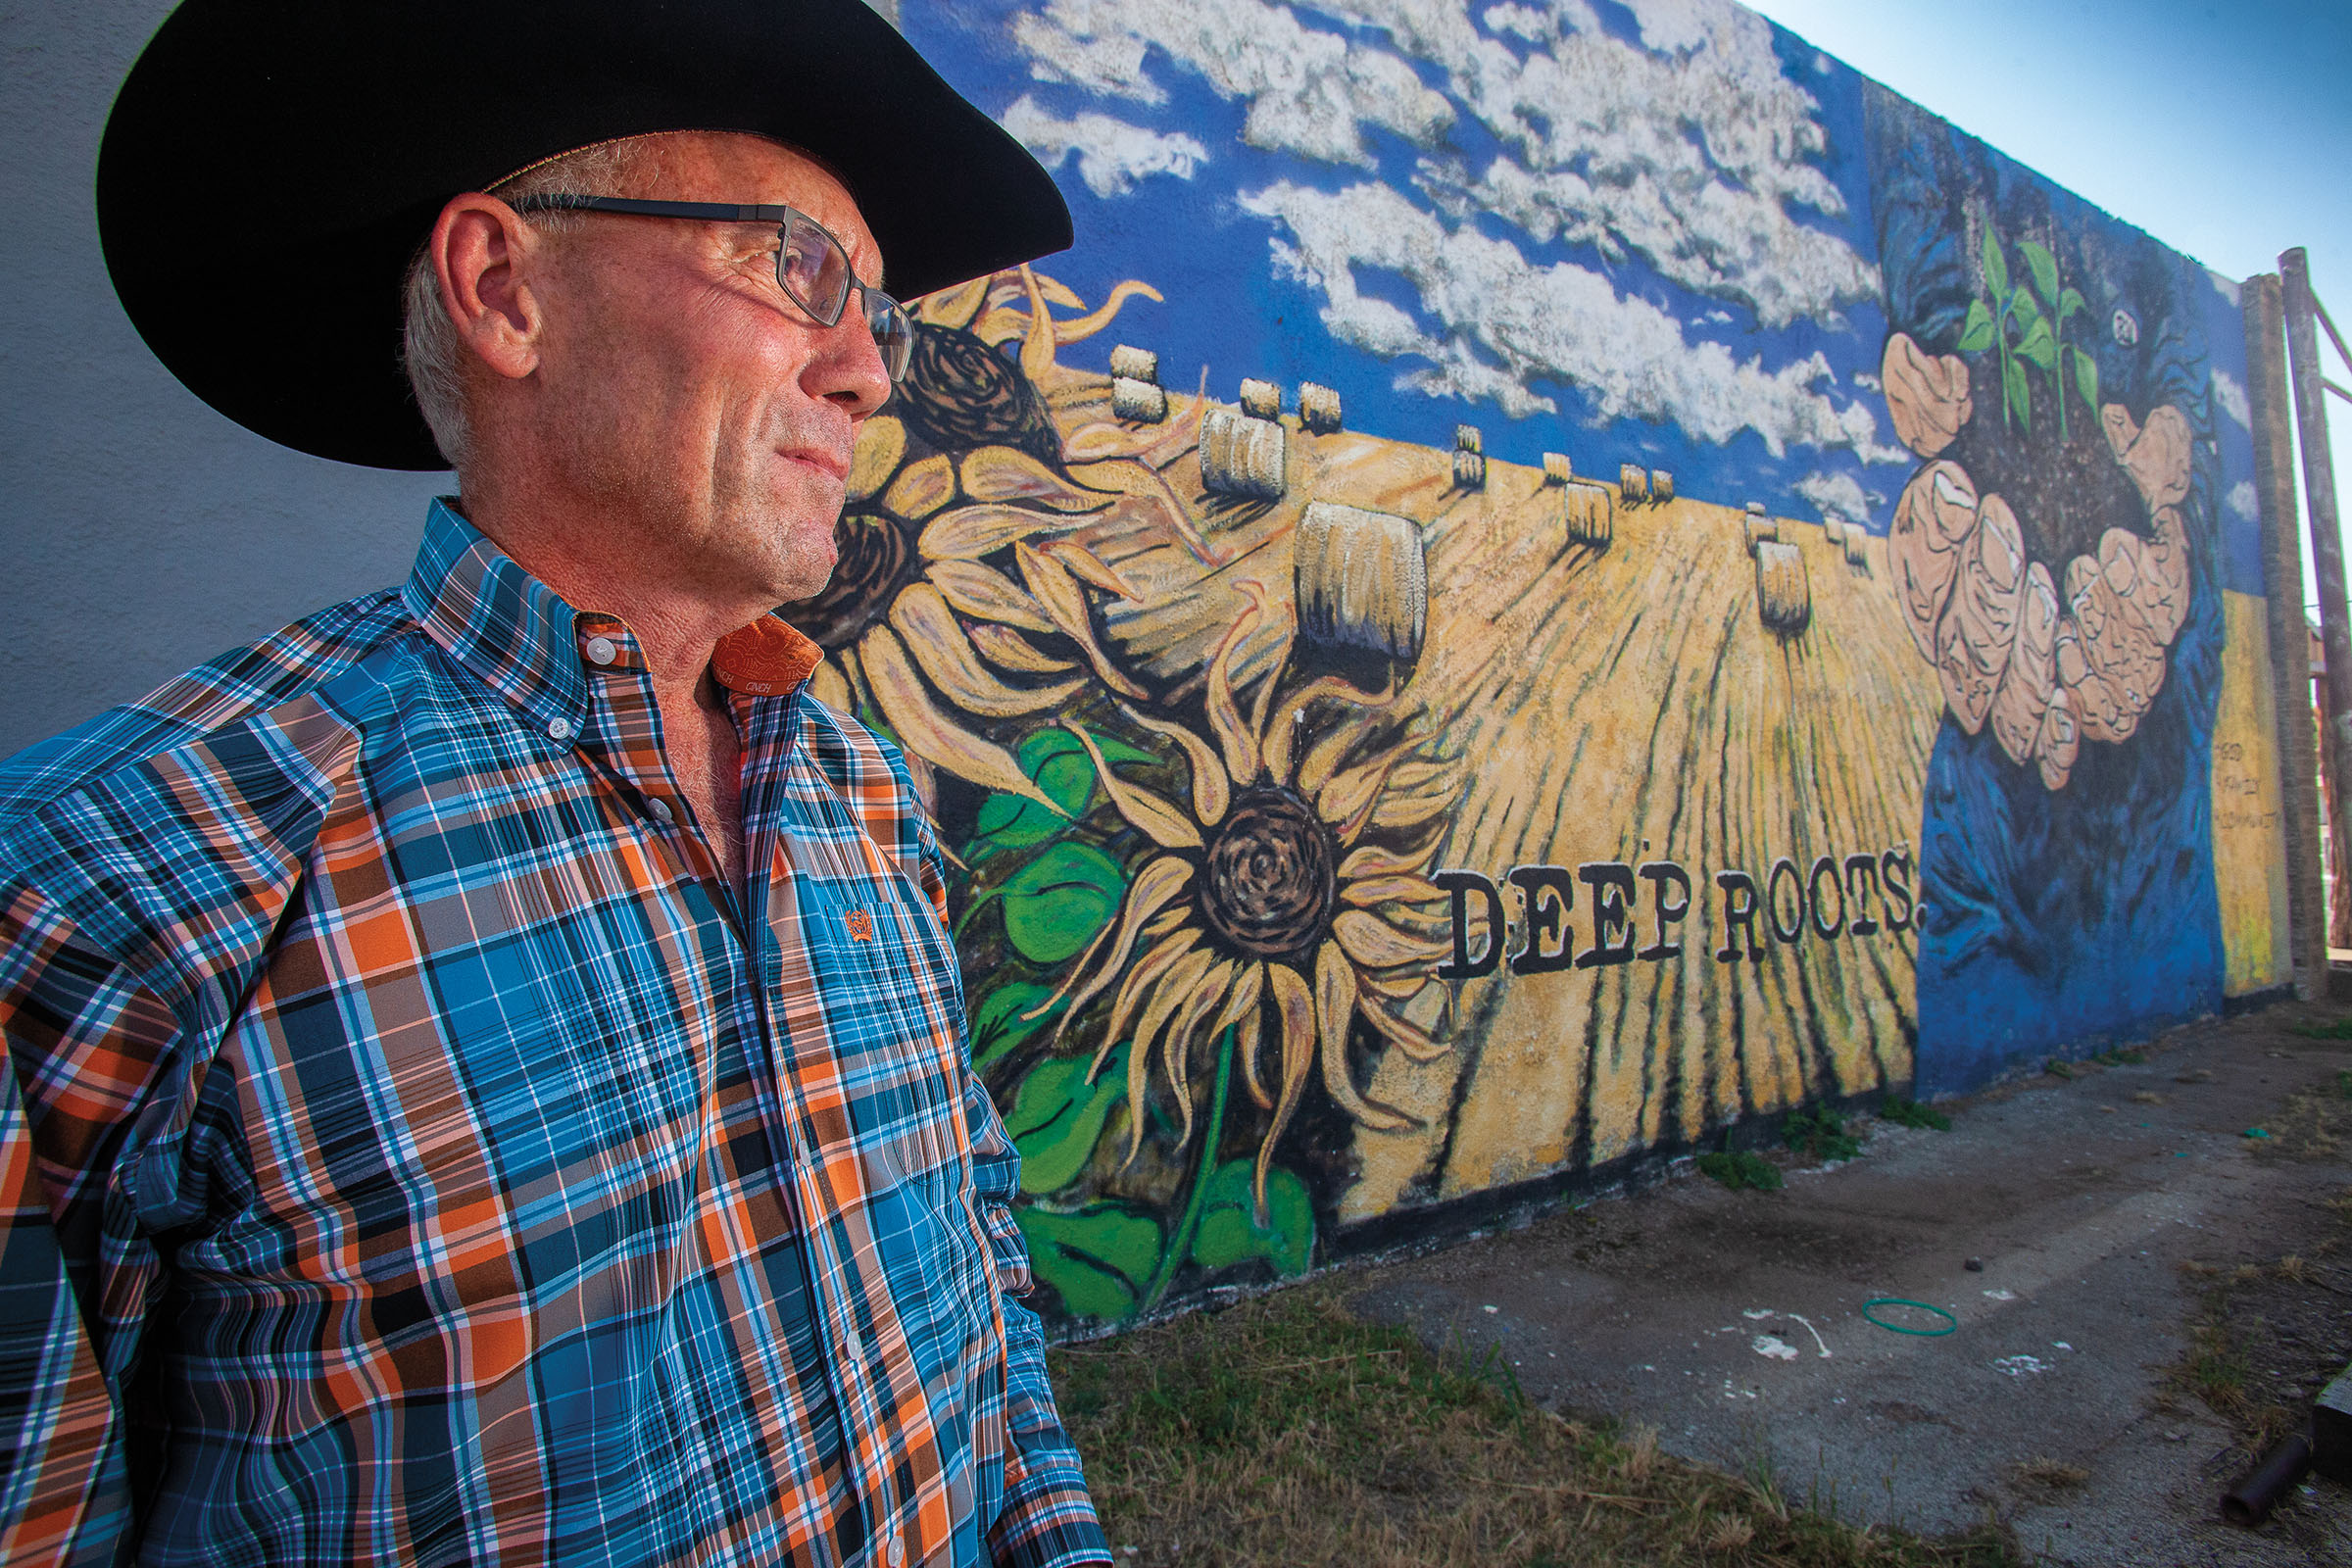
(1360, 824)
(1541, 583)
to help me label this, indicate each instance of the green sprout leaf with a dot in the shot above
(1229, 1231)
(2045, 267)
(1057, 1116)
(1056, 904)
(2020, 400)
(2069, 303)
(998, 1024)
(1996, 269)
(1977, 335)
(2023, 307)
(2086, 378)
(1097, 1258)
(2039, 347)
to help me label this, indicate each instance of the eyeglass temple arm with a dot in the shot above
(711, 211)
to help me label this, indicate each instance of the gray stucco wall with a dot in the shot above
(140, 532)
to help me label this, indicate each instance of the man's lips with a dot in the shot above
(835, 465)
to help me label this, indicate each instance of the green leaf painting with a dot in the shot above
(1097, 1258)
(1977, 335)
(2019, 401)
(1996, 267)
(1056, 904)
(2044, 270)
(999, 1023)
(1056, 759)
(1057, 1116)
(1229, 1231)
(2086, 378)
(2040, 346)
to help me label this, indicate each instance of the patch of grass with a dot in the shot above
(1911, 1113)
(2314, 1124)
(2044, 1478)
(2057, 1069)
(1743, 1171)
(2340, 1029)
(1285, 1431)
(2122, 1056)
(1820, 1132)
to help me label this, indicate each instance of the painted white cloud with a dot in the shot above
(1494, 325)
(2243, 501)
(1112, 155)
(1308, 91)
(1688, 150)
(2231, 393)
(2228, 288)
(1838, 496)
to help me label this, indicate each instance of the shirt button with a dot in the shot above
(559, 729)
(600, 650)
(896, 1552)
(658, 808)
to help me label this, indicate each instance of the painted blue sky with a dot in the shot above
(1391, 199)
(1385, 203)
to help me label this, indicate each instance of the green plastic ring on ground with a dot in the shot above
(1897, 1328)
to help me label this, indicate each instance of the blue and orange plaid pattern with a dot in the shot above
(415, 1152)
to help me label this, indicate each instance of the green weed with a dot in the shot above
(1742, 1170)
(1911, 1113)
(1820, 1132)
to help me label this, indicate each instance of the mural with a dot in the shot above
(1542, 582)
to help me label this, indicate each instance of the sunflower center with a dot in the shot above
(1269, 885)
(874, 558)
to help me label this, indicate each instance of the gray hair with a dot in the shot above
(430, 350)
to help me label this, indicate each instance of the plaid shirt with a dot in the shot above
(415, 1152)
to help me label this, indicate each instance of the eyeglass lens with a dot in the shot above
(813, 270)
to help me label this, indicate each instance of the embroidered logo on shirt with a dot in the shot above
(862, 926)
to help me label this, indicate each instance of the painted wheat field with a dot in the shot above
(1619, 703)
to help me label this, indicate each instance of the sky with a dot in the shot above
(2223, 129)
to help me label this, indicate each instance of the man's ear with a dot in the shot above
(484, 256)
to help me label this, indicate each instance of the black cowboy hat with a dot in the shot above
(271, 167)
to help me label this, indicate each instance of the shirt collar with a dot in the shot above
(524, 641)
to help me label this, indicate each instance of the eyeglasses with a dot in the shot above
(811, 268)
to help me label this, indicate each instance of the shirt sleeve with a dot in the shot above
(83, 1039)
(1048, 1519)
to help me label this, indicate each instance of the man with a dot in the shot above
(489, 1077)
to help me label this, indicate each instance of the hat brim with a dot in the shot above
(271, 167)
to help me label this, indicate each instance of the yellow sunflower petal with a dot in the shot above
(921, 617)
(880, 446)
(1146, 811)
(1155, 885)
(1239, 739)
(1408, 809)
(1210, 788)
(931, 734)
(1167, 920)
(1087, 566)
(1367, 891)
(1335, 1010)
(969, 532)
(1414, 1042)
(1176, 1045)
(1007, 648)
(1145, 484)
(1139, 984)
(1054, 291)
(985, 594)
(1296, 1005)
(1347, 801)
(1376, 859)
(1397, 985)
(1374, 944)
(1086, 327)
(830, 682)
(1247, 1035)
(924, 489)
(1038, 347)
(954, 306)
(1004, 474)
(1282, 734)
(1065, 602)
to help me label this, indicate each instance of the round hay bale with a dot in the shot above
(1318, 408)
(1592, 514)
(1134, 364)
(1857, 545)
(1260, 400)
(1241, 456)
(1362, 581)
(1557, 469)
(1137, 402)
(1469, 470)
(1467, 439)
(1661, 485)
(1759, 531)
(1834, 529)
(1755, 509)
(1784, 594)
(1633, 482)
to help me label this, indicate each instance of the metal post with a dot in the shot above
(2326, 556)
(2291, 637)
